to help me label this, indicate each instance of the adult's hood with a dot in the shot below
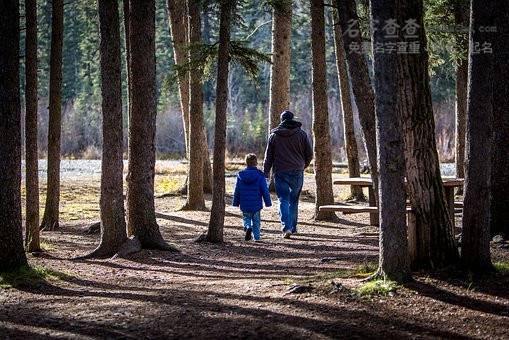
(249, 175)
(287, 128)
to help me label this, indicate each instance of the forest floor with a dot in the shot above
(240, 289)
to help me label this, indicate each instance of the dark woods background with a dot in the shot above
(249, 98)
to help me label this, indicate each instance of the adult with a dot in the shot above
(288, 153)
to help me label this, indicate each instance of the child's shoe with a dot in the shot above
(249, 234)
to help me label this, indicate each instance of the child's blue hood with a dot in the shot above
(249, 175)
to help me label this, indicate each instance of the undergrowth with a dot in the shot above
(29, 276)
(502, 267)
(377, 288)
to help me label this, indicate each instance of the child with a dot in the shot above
(251, 187)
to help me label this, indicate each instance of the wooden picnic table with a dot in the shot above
(450, 183)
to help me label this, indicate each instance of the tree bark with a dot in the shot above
(281, 56)
(177, 10)
(207, 166)
(361, 85)
(195, 198)
(141, 216)
(32, 242)
(434, 227)
(461, 115)
(127, 59)
(216, 223)
(500, 164)
(321, 133)
(394, 262)
(50, 220)
(12, 254)
(352, 153)
(476, 212)
(461, 20)
(113, 226)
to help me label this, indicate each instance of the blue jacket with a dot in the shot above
(251, 187)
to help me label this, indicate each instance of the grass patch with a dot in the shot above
(502, 267)
(166, 185)
(28, 276)
(47, 246)
(366, 269)
(377, 288)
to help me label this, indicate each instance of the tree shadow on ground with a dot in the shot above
(202, 313)
(452, 298)
(325, 225)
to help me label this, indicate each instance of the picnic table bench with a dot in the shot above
(450, 183)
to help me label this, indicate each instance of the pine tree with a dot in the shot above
(113, 225)
(460, 8)
(12, 254)
(32, 242)
(352, 153)
(321, 134)
(394, 262)
(500, 164)
(475, 250)
(281, 55)
(50, 220)
(141, 218)
(359, 76)
(195, 198)
(434, 227)
(216, 223)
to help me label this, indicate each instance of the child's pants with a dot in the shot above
(252, 221)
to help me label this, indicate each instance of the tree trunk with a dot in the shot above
(216, 223)
(177, 10)
(207, 166)
(500, 164)
(352, 153)
(461, 115)
(141, 217)
(461, 20)
(394, 262)
(476, 211)
(434, 227)
(321, 133)
(127, 59)
(281, 56)
(12, 254)
(361, 85)
(195, 199)
(113, 226)
(52, 208)
(32, 242)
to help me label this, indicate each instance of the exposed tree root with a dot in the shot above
(156, 243)
(101, 252)
(94, 228)
(381, 275)
(188, 207)
(327, 217)
(202, 238)
(49, 226)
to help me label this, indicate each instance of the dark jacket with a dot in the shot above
(251, 187)
(288, 149)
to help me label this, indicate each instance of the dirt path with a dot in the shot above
(240, 289)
